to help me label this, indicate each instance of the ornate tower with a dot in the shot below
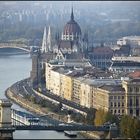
(44, 42)
(49, 40)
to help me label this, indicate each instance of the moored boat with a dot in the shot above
(71, 133)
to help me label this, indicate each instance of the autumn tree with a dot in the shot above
(130, 127)
(102, 116)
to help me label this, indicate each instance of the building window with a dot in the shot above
(130, 89)
(119, 111)
(131, 111)
(115, 104)
(122, 111)
(122, 97)
(118, 97)
(122, 104)
(114, 97)
(111, 97)
(111, 104)
(130, 102)
(118, 104)
(137, 102)
(137, 89)
(114, 111)
(137, 112)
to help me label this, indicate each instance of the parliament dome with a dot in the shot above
(72, 27)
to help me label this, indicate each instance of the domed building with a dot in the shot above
(71, 40)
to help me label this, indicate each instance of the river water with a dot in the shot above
(14, 68)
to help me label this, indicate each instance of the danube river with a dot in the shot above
(12, 69)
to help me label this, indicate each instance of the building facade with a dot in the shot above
(101, 57)
(66, 86)
(110, 98)
(132, 95)
(125, 64)
(77, 89)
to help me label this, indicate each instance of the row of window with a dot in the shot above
(131, 111)
(134, 89)
(136, 102)
(115, 111)
(116, 97)
(116, 104)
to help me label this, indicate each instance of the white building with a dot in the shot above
(125, 64)
(131, 40)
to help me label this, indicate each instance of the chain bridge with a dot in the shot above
(15, 120)
(26, 121)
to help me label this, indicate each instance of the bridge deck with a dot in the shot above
(62, 128)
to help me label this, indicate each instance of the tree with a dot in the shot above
(32, 99)
(130, 127)
(90, 115)
(102, 116)
(111, 118)
(43, 103)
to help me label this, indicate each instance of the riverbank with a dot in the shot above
(23, 103)
(32, 107)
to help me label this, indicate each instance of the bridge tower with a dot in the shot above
(6, 129)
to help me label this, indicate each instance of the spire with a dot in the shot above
(72, 15)
(49, 39)
(44, 42)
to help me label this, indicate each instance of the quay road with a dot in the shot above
(23, 88)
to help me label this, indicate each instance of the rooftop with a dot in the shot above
(112, 88)
(135, 80)
(129, 58)
(135, 74)
(131, 38)
(102, 81)
(102, 50)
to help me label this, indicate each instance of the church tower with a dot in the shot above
(49, 40)
(44, 48)
(46, 43)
